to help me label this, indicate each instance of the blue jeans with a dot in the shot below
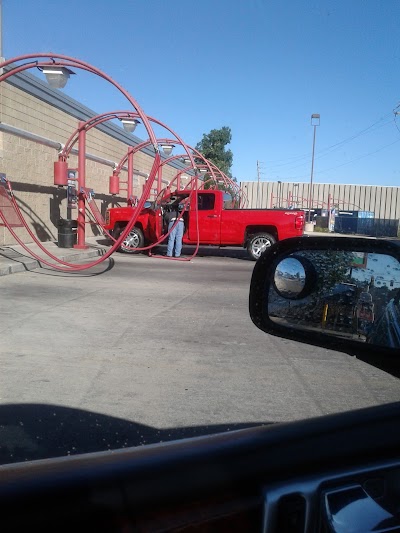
(175, 238)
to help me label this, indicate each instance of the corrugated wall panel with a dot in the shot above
(354, 194)
(383, 201)
(396, 202)
(370, 199)
(385, 208)
(357, 195)
(377, 206)
(391, 204)
(362, 197)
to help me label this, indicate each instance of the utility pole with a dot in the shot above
(259, 163)
(1, 35)
(315, 121)
(1, 29)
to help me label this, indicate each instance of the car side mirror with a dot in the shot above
(339, 292)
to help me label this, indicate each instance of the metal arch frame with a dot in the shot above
(228, 181)
(94, 122)
(214, 171)
(99, 119)
(128, 158)
(212, 168)
(238, 195)
(91, 123)
(67, 61)
(197, 155)
(176, 139)
(77, 135)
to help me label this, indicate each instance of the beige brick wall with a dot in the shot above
(29, 165)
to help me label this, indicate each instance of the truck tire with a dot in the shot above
(258, 243)
(134, 239)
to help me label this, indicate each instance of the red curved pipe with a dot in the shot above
(77, 63)
(72, 62)
(72, 266)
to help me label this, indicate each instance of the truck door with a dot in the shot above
(155, 223)
(209, 219)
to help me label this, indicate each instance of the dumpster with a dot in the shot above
(67, 229)
(322, 222)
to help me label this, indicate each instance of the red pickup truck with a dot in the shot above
(214, 222)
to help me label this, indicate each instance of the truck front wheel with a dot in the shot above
(133, 240)
(258, 243)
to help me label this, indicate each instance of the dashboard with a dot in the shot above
(334, 473)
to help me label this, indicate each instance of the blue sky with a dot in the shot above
(261, 67)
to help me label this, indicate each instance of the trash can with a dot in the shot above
(67, 229)
(322, 222)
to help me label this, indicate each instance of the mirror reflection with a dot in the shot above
(352, 294)
(290, 278)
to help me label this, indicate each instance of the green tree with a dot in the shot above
(332, 266)
(212, 146)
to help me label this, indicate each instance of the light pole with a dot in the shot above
(315, 120)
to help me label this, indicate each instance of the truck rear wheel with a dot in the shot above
(258, 243)
(134, 239)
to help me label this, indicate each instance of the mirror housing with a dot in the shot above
(342, 293)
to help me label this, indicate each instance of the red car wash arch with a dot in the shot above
(57, 69)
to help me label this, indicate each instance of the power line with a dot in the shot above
(333, 147)
(361, 157)
(329, 150)
(362, 132)
(351, 161)
(395, 122)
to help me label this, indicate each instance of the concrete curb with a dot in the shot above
(13, 261)
(326, 234)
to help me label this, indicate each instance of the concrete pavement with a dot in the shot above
(139, 350)
(14, 258)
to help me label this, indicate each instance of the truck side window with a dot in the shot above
(228, 201)
(206, 202)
